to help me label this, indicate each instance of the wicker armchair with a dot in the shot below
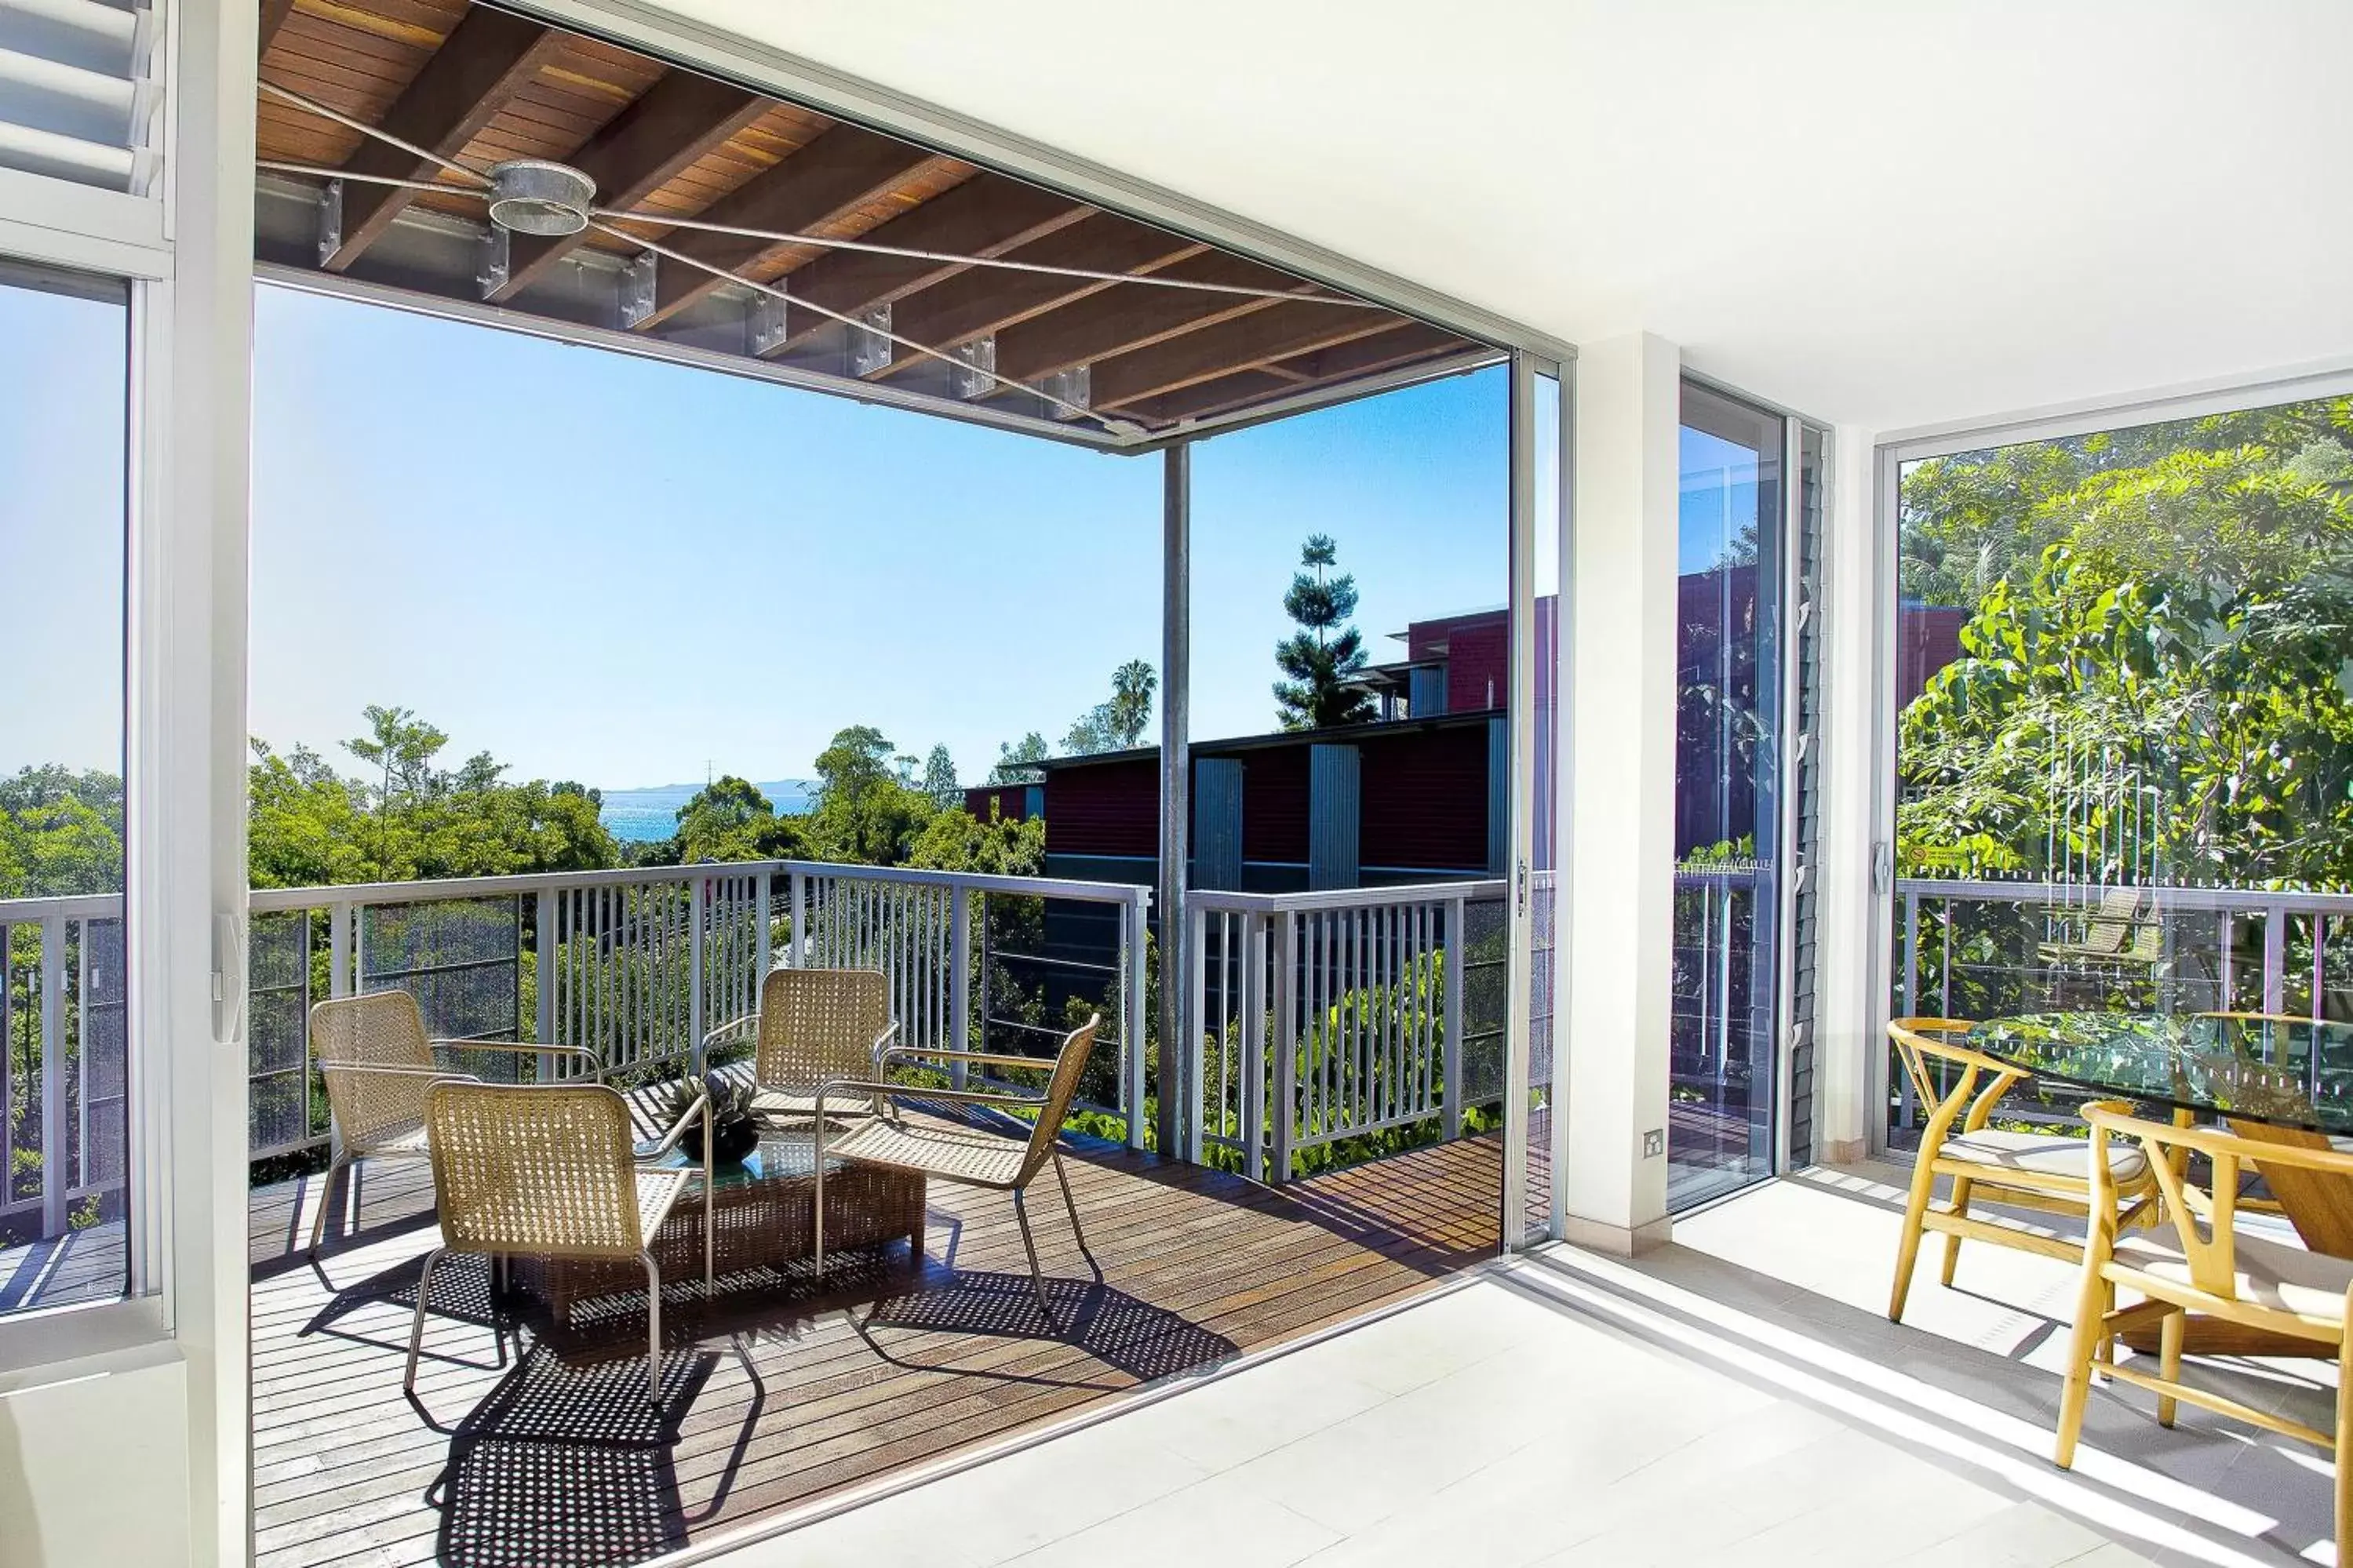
(965, 1155)
(379, 1066)
(553, 1173)
(814, 1026)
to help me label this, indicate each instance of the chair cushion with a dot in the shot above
(2042, 1154)
(2269, 1273)
(951, 1152)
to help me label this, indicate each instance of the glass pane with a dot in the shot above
(63, 1009)
(1727, 797)
(2124, 728)
(1544, 800)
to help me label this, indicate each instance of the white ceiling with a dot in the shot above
(1893, 213)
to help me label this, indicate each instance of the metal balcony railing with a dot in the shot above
(1318, 1018)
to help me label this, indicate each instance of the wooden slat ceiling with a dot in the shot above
(477, 86)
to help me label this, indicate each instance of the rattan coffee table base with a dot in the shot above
(762, 1224)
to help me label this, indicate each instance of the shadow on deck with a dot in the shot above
(770, 1402)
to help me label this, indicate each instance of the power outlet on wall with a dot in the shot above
(1654, 1143)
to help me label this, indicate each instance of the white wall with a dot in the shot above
(94, 1464)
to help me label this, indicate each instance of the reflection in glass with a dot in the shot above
(2125, 724)
(64, 1034)
(1727, 819)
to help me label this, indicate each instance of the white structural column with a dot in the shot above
(1620, 805)
(1850, 945)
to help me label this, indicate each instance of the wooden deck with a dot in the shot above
(551, 1461)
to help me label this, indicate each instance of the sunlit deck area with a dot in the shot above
(777, 1397)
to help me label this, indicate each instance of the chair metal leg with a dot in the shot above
(816, 1222)
(335, 1167)
(1029, 1244)
(416, 1324)
(653, 1331)
(1071, 1204)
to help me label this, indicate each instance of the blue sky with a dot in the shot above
(621, 572)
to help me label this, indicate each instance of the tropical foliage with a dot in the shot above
(2158, 665)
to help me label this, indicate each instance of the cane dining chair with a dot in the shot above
(553, 1173)
(2200, 1264)
(379, 1066)
(2048, 1172)
(970, 1155)
(814, 1026)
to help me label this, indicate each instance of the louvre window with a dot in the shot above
(78, 98)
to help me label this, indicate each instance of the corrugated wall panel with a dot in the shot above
(1335, 820)
(1218, 823)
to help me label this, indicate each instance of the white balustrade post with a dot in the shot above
(339, 950)
(796, 943)
(2276, 961)
(697, 889)
(1285, 1111)
(1189, 1024)
(1139, 926)
(1253, 1042)
(1458, 937)
(55, 1176)
(543, 966)
(766, 938)
(959, 979)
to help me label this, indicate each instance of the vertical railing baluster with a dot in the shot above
(2276, 961)
(2228, 1001)
(2319, 966)
(1190, 1015)
(696, 978)
(1285, 1109)
(1457, 937)
(1138, 961)
(960, 981)
(53, 1175)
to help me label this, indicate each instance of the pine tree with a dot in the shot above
(1326, 656)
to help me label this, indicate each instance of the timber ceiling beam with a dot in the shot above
(1394, 346)
(1127, 317)
(989, 215)
(1245, 342)
(984, 299)
(832, 177)
(273, 17)
(669, 128)
(488, 56)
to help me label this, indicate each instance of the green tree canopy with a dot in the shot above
(866, 814)
(729, 819)
(60, 833)
(2157, 674)
(1326, 655)
(1016, 762)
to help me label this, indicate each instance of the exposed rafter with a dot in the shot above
(1118, 321)
(987, 216)
(488, 57)
(273, 17)
(838, 172)
(674, 123)
(1398, 345)
(971, 304)
(1245, 342)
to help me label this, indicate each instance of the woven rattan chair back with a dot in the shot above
(383, 1029)
(542, 1171)
(820, 1024)
(1070, 1066)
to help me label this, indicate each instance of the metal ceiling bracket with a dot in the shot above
(765, 325)
(975, 372)
(638, 288)
(491, 261)
(870, 345)
(1075, 386)
(331, 219)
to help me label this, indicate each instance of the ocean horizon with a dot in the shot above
(646, 815)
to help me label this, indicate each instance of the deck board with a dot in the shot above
(783, 1398)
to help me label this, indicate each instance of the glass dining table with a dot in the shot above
(2271, 1078)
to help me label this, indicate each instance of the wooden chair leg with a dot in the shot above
(2344, 1446)
(2169, 1362)
(1961, 1186)
(1907, 1251)
(2091, 1330)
